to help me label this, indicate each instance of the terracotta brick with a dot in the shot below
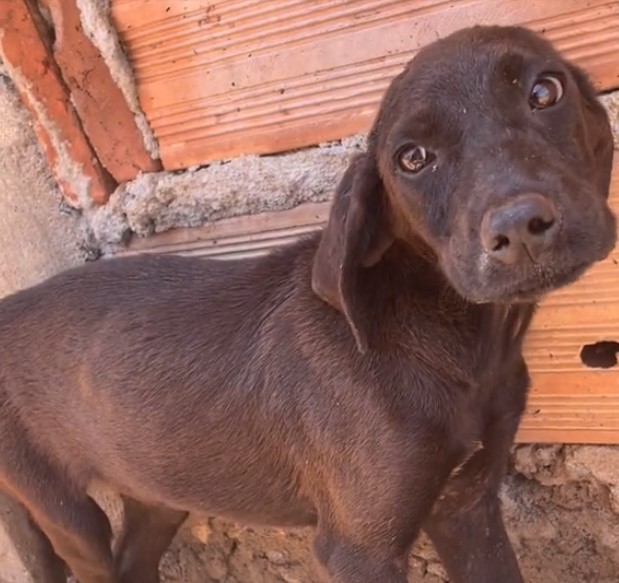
(27, 54)
(109, 123)
(225, 78)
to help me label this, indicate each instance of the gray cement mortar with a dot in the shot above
(611, 102)
(246, 185)
(156, 202)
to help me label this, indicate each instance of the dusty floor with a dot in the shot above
(562, 509)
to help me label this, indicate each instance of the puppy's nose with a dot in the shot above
(520, 229)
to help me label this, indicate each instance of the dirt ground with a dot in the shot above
(563, 518)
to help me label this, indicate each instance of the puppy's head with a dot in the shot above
(494, 151)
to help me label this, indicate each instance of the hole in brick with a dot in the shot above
(601, 354)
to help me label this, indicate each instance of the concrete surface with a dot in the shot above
(38, 235)
(248, 185)
(611, 102)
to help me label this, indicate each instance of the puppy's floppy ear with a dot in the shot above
(356, 237)
(599, 135)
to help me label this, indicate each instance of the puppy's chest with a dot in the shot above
(462, 359)
(479, 346)
(495, 396)
(487, 376)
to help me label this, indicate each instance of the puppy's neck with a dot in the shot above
(502, 331)
(415, 247)
(425, 281)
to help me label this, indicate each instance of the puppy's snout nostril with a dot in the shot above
(539, 225)
(500, 242)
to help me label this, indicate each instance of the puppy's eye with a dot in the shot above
(547, 91)
(414, 159)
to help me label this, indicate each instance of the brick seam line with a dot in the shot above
(99, 27)
(105, 115)
(29, 61)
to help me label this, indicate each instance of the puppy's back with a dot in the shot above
(164, 343)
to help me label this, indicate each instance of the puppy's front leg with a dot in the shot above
(376, 502)
(472, 542)
(466, 526)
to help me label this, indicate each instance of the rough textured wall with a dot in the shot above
(37, 231)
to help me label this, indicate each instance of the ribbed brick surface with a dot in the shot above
(219, 79)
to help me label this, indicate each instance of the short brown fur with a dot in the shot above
(367, 381)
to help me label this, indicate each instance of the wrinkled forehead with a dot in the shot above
(472, 61)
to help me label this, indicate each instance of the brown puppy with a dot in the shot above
(368, 380)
